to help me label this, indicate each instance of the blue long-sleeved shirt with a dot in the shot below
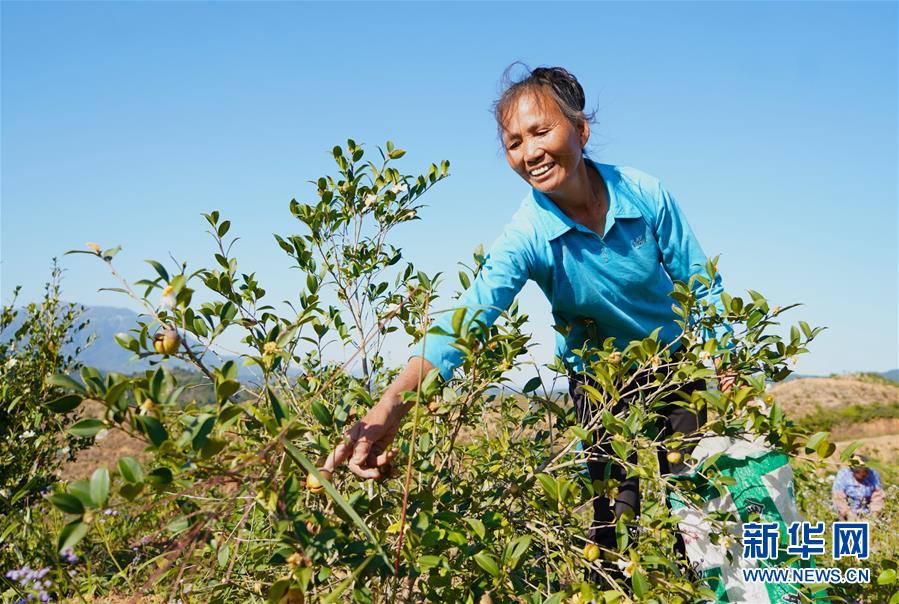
(620, 281)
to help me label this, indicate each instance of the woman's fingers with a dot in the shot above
(385, 458)
(358, 463)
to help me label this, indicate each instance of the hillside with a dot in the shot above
(801, 396)
(853, 407)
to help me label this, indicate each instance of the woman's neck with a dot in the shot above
(585, 201)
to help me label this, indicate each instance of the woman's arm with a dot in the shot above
(366, 446)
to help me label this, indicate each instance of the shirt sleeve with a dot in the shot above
(682, 256)
(506, 268)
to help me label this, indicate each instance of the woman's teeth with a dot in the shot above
(541, 169)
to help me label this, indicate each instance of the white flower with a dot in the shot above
(101, 435)
(27, 434)
(168, 298)
(705, 355)
(627, 567)
(398, 188)
(370, 200)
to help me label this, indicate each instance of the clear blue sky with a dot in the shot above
(774, 124)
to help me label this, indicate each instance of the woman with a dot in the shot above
(857, 492)
(602, 242)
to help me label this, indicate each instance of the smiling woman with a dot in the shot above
(604, 244)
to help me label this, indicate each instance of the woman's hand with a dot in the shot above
(367, 444)
(726, 379)
(726, 376)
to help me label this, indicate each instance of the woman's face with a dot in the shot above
(541, 144)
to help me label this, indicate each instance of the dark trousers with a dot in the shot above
(674, 419)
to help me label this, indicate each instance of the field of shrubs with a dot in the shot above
(226, 499)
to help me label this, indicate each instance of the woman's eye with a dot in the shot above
(512, 146)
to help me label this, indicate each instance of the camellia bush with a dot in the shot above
(37, 343)
(490, 498)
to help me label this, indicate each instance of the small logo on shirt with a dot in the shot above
(638, 241)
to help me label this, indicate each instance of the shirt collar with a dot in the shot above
(555, 223)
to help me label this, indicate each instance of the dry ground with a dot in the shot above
(801, 396)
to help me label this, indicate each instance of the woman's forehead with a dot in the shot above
(528, 107)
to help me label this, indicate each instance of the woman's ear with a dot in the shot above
(584, 133)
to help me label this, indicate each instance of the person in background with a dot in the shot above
(857, 492)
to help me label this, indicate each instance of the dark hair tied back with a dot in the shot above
(563, 84)
(560, 85)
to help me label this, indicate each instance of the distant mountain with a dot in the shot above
(104, 353)
(892, 374)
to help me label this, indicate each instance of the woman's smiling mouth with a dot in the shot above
(538, 172)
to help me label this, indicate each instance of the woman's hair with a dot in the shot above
(555, 82)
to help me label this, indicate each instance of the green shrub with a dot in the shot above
(229, 504)
(32, 441)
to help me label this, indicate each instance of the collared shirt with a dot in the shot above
(616, 285)
(858, 493)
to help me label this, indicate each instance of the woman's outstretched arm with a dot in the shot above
(366, 446)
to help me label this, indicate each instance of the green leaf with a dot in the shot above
(322, 414)
(640, 584)
(130, 470)
(346, 583)
(86, 428)
(160, 477)
(278, 589)
(81, 490)
(477, 526)
(159, 269)
(487, 562)
(130, 491)
(67, 503)
(71, 534)
(825, 449)
(814, 441)
(887, 576)
(848, 451)
(307, 465)
(279, 409)
(549, 485)
(518, 547)
(532, 385)
(153, 429)
(458, 317)
(127, 341)
(100, 486)
(65, 403)
(63, 381)
(226, 389)
(428, 562)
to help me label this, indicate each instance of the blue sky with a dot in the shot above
(774, 124)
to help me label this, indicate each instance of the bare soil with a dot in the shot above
(114, 445)
(802, 396)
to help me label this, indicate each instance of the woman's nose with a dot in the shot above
(532, 151)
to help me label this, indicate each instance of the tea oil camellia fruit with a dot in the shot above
(314, 484)
(167, 341)
(591, 552)
(674, 457)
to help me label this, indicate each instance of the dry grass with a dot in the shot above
(802, 396)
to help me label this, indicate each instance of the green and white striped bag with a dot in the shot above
(764, 486)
